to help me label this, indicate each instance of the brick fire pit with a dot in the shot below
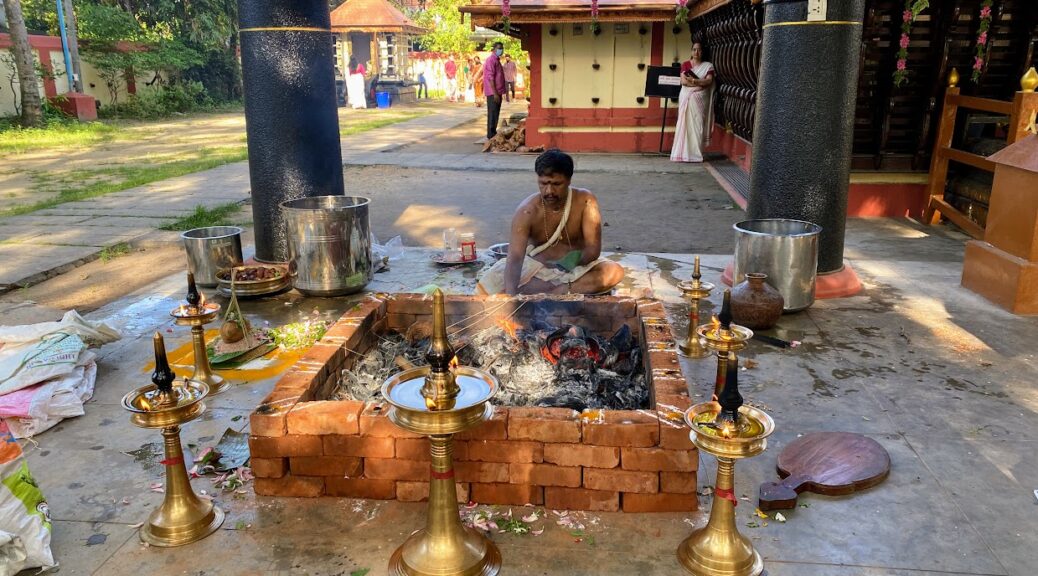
(606, 460)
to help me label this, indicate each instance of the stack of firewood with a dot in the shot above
(511, 138)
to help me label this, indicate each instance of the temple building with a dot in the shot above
(375, 32)
(588, 89)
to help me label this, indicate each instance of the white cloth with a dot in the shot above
(355, 91)
(695, 119)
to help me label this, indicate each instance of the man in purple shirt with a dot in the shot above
(494, 87)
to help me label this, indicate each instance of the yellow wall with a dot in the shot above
(676, 47)
(92, 82)
(574, 50)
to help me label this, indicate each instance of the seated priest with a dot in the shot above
(555, 244)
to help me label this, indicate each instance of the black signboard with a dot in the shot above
(663, 81)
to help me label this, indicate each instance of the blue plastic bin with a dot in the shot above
(382, 99)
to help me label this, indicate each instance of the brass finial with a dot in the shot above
(953, 78)
(725, 317)
(193, 297)
(1029, 81)
(729, 398)
(696, 276)
(440, 389)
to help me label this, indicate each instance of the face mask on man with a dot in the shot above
(499, 52)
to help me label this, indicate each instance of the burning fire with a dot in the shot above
(145, 404)
(201, 300)
(510, 326)
(181, 311)
(453, 363)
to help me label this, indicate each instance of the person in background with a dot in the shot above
(494, 86)
(695, 106)
(510, 72)
(422, 84)
(355, 85)
(477, 81)
(450, 69)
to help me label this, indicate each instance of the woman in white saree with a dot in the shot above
(695, 108)
(355, 85)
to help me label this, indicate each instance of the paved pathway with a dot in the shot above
(39, 245)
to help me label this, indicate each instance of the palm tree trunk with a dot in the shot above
(32, 109)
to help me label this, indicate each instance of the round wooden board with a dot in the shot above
(835, 463)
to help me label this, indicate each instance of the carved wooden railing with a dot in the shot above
(1021, 112)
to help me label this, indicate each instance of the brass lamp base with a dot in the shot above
(166, 530)
(473, 556)
(693, 347)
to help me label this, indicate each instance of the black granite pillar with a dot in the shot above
(291, 118)
(804, 123)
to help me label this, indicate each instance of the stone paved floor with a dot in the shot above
(942, 379)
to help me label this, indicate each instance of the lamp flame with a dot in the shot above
(726, 430)
(453, 363)
(181, 311)
(145, 404)
(201, 300)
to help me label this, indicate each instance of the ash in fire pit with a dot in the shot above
(542, 365)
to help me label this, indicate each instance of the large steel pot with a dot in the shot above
(210, 250)
(785, 250)
(329, 244)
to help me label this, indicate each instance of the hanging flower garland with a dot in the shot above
(982, 39)
(912, 10)
(681, 13)
(506, 11)
(594, 17)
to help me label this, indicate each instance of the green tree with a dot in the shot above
(449, 29)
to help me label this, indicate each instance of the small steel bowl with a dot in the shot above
(498, 251)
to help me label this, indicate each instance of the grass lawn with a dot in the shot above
(17, 140)
(127, 156)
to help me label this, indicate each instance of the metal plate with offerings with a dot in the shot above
(252, 281)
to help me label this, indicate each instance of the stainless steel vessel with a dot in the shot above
(210, 250)
(785, 250)
(329, 244)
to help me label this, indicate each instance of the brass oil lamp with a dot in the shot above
(197, 314)
(730, 431)
(724, 337)
(439, 401)
(165, 404)
(694, 291)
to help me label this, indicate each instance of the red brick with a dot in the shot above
(670, 399)
(496, 428)
(338, 466)
(266, 447)
(582, 455)
(269, 467)
(325, 417)
(373, 422)
(269, 420)
(544, 474)
(581, 499)
(676, 438)
(622, 480)
(660, 502)
(395, 469)
(658, 333)
(659, 459)
(292, 387)
(371, 306)
(673, 431)
(419, 491)
(328, 355)
(515, 494)
(339, 445)
(361, 488)
(483, 472)
(620, 428)
(544, 424)
(678, 482)
(665, 385)
(400, 323)
(664, 359)
(290, 486)
(650, 308)
(505, 451)
(406, 303)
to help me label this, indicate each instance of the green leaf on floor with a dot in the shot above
(360, 572)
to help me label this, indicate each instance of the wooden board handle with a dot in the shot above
(781, 495)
